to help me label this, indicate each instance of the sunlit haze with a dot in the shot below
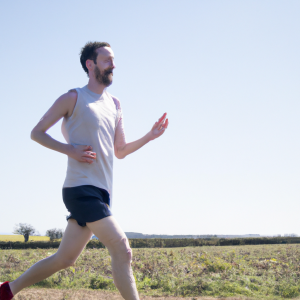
(227, 74)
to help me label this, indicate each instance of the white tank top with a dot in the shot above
(93, 122)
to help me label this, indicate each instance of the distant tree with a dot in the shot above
(54, 233)
(24, 229)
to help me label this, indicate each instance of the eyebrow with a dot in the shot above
(106, 56)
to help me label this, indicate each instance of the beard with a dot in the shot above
(105, 77)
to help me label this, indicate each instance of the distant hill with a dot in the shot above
(136, 235)
(238, 236)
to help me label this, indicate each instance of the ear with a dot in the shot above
(89, 64)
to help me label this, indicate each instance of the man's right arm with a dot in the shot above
(62, 107)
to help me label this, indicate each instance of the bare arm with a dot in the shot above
(62, 107)
(122, 149)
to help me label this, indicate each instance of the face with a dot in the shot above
(103, 70)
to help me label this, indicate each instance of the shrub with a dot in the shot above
(99, 282)
(54, 233)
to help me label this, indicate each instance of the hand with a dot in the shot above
(159, 127)
(82, 153)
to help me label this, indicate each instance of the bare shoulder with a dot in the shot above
(70, 96)
(68, 101)
(72, 93)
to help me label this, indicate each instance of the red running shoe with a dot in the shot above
(5, 292)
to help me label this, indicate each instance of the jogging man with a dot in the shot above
(93, 128)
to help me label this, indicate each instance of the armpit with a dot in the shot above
(74, 101)
(120, 140)
(117, 102)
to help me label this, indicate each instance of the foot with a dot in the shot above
(5, 292)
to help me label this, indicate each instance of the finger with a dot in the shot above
(87, 147)
(89, 156)
(89, 152)
(166, 124)
(155, 125)
(162, 124)
(162, 118)
(164, 115)
(88, 160)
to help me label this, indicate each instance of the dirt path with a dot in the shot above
(52, 294)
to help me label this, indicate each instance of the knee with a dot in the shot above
(65, 262)
(122, 251)
(129, 254)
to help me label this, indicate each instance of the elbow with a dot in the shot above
(34, 134)
(120, 152)
(119, 156)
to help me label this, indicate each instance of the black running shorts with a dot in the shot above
(86, 203)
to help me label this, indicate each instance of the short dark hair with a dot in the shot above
(89, 52)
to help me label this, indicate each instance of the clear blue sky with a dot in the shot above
(227, 74)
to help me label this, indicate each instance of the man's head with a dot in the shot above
(97, 60)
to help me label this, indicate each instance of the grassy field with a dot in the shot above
(252, 272)
(20, 238)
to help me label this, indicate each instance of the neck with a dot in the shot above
(95, 87)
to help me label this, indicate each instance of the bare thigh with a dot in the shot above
(73, 242)
(108, 231)
(112, 236)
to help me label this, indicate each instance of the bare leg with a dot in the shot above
(112, 236)
(72, 244)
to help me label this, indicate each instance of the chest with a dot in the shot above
(99, 115)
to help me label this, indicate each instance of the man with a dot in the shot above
(93, 128)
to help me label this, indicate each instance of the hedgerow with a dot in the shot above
(160, 243)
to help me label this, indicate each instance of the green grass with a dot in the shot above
(258, 272)
(20, 238)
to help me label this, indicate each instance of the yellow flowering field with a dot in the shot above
(20, 238)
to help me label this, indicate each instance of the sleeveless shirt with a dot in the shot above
(93, 122)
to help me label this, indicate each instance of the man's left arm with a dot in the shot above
(122, 149)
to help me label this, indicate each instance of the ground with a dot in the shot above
(54, 294)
